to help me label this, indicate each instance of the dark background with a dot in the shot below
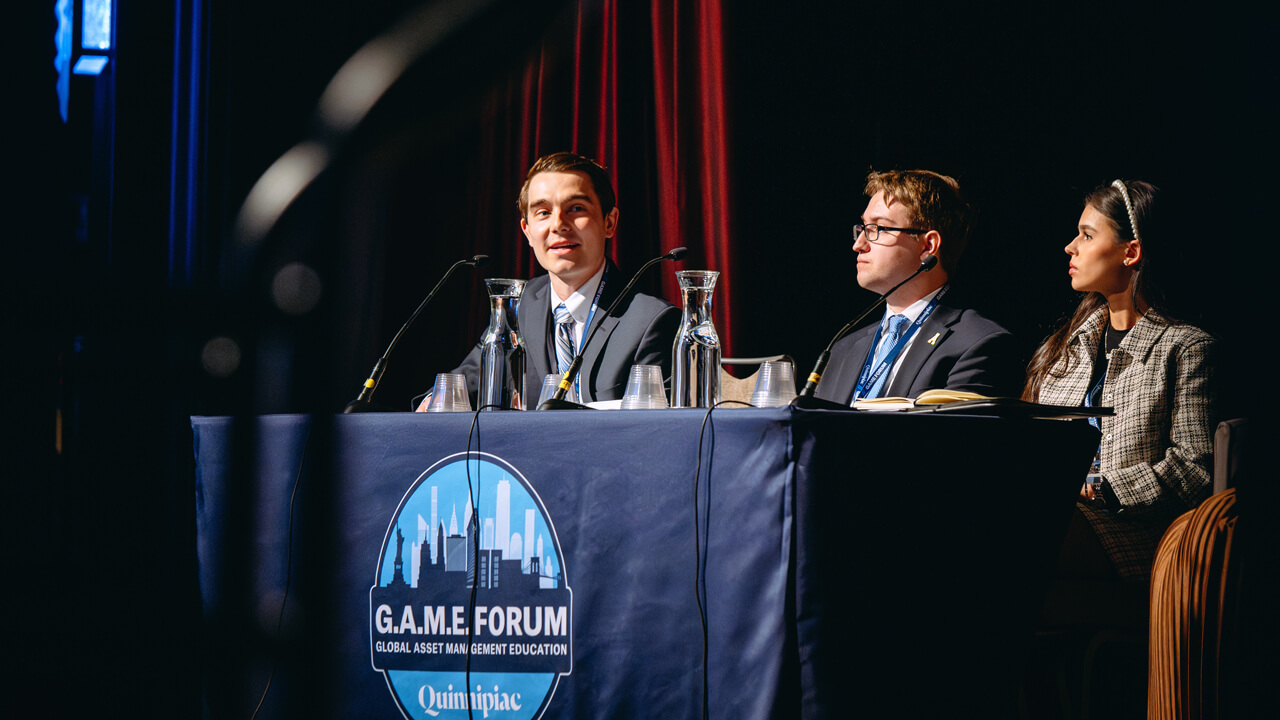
(109, 306)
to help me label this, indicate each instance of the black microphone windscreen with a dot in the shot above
(482, 260)
(678, 253)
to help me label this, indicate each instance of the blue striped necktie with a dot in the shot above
(564, 340)
(896, 323)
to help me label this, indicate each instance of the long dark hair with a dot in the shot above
(1143, 288)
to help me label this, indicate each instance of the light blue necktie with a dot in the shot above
(564, 341)
(891, 335)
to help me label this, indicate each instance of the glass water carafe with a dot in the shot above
(695, 367)
(502, 350)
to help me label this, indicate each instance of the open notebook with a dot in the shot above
(959, 401)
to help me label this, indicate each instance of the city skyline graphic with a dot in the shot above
(431, 535)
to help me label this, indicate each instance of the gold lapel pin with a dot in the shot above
(934, 339)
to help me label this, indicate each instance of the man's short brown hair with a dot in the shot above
(933, 202)
(570, 162)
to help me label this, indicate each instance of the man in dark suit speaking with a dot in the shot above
(568, 212)
(924, 341)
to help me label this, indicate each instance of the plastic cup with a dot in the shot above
(449, 394)
(644, 389)
(549, 385)
(775, 384)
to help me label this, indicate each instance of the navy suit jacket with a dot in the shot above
(969, 353)
(641, 331)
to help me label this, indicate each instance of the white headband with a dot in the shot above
(1124, 193)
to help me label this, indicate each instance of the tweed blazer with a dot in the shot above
(1157, 450)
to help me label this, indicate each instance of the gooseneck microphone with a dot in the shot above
(809, 387)
(557, 401)
(363, 403)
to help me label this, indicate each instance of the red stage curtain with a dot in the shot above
(692, 157)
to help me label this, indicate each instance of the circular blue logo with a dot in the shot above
(471, 579)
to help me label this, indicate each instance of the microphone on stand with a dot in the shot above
(362, 403)
(806, 399)
(557, 401)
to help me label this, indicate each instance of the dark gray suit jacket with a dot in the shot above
(970, 353)
(641, 331)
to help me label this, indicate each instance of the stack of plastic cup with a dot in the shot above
(449, 394)
(644, 389)
(549, 385)
(775, 385)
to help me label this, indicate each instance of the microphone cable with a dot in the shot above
(473, 521)
(700, 535)
(288, 565)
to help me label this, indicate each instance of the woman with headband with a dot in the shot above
(1122, 350)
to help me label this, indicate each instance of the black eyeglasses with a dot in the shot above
(873, 231)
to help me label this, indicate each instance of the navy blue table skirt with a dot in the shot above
(840, 563)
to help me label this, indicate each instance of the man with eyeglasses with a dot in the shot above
(925, 340)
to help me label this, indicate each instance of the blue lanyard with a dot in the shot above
(866, 378)
(586, 328)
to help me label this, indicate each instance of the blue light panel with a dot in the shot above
(96, 33)
(90, 65)
(62, 61)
